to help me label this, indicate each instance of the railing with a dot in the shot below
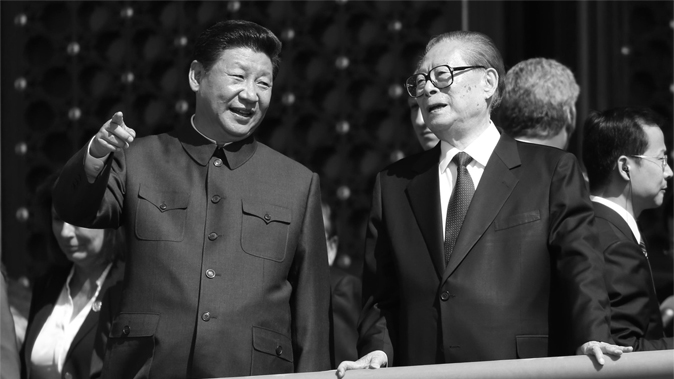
(639, 365)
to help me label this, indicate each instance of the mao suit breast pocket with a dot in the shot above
(264, 229)
(161, 214)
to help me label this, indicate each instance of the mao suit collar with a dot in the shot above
(201, 150)
(497, 183)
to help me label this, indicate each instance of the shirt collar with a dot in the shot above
(202, 148)
(629, 219)
(99, 281)
(480, 149)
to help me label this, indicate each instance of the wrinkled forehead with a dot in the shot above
(445, 52)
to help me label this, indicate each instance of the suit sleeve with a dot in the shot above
(631, 290)
(310, 302)
(93, 205)
(576, 262)
(378, 324)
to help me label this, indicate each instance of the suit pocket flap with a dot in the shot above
(165, 200)
(273, 343)
(518, 219)
(134, 325)
(532, 346)
(266, 212)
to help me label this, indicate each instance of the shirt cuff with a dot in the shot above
(93, 166)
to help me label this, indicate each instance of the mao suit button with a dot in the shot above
(213, 236)
(163, 207)
(68, 375)
(279, 350)
(217, 162)
(206, 316)
(126, 330)
(215, 199)
(210, 273)
(445, 296)
(267, 217)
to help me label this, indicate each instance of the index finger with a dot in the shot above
(119, 129)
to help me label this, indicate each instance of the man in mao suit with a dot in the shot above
(226, 269)
(626, 159)
(526, 238)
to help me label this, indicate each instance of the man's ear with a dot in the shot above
(623, 168)
(196, 73)
(489, 82)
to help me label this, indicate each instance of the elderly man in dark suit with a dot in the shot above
(506, 281)
(226, 270)
(626, 160)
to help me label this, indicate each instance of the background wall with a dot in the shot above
(338, 105)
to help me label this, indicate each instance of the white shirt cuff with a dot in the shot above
(93, 166)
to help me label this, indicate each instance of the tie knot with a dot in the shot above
(462, 159)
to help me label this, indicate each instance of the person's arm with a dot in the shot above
(577, 264)
(377, 320)
(631, 291)
(310, 302)
(82, 184)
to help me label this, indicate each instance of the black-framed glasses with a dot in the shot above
(663, 160)
(441, 76)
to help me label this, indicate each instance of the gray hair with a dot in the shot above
(539, 99)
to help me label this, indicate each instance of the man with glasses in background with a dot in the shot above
(481, 248)
(625, 155)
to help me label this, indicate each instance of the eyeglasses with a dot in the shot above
(441, 77)
(663, 160)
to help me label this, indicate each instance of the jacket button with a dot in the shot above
(68, 375)
(206, 316)
(126, 330)
(279, 350)
(267, 217)
(163, 207)
(215, 198)
(217, 162)
(210, 273)
(213, 236)
(445, 296)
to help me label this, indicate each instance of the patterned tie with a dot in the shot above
(643, 247)
(458, 203)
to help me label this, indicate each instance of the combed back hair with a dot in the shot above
(539, 99)
(231, 34)
(611, 133)
(478, 50)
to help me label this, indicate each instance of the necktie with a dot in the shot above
(643, 248)
(458, 203)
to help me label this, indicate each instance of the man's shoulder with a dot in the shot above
(413, 164)
(275, 159)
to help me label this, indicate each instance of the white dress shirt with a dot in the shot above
(480, 150)
(629, 219)
(57, 334)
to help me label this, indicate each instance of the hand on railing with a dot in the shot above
(373, 360)
(598, 349)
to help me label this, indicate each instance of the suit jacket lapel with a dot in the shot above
(423, 193)
(614, 218)
(91, 321)
(496, 185)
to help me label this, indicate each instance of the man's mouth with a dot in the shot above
(243, 112)
(435, 107)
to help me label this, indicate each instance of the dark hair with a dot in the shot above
(231, 34)
(114, 240)
(539, 99)
(478, 50)
(609, 134)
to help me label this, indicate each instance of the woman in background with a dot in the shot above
(72, 307)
